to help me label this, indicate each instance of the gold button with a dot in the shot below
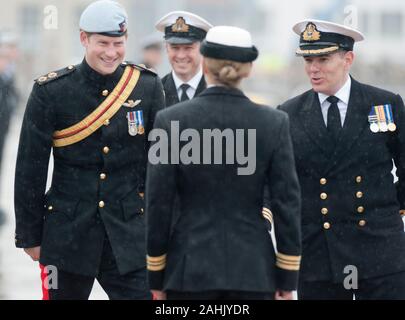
(324, 211)
(105, 93)
(103, 176)
(323, 181)
(42, 79)
(70, 67)
(107, 122)
(362, 223)
(359, 194)
(360, 209)
(359, 179)
(323, 195)
(141, 194)
(326, 225)
(101, 204)
(142, 210)
(106, 150)
(50, 208)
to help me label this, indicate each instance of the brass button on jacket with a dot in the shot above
(362, 223)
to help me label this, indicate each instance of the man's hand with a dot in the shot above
(283, 295)
(158, 295)
(33, 252)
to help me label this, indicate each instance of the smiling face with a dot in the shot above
(103, 54)
(185, 59)
(328, 73)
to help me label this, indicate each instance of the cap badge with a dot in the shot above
(311, 33)
(180, 25)
(123, 26)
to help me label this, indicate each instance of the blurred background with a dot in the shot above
(39, 36)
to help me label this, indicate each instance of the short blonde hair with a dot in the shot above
(227, 72)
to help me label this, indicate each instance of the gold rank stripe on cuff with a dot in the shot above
(267, 214)
(287, 262)
(106, 110)
(317, 51)
(156, 263)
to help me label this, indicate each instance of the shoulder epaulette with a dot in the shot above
(55, 75)
(141, 67)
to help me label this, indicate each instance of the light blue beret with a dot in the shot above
(105, 17)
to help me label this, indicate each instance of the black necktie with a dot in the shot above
(184, 96)
(334, 124)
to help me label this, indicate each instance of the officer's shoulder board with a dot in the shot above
(140, 67)
(51, 76)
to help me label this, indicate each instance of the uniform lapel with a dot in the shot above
(201, 86)
(314, 125)
(170, 91)
(355, 122)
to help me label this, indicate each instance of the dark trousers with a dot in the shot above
(131, 286)
(219, 295)
(388, 287)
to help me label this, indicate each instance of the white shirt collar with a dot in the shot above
(343, 94)
(193, 82)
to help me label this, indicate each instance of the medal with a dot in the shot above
(383, 127)
(132, 128)
(373, 120)
(392, 127)
(374, 127)
(139, 121)
(388, 113)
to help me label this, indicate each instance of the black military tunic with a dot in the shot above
(220, 240)
(171, 91)
(97, 183)
(350, 205)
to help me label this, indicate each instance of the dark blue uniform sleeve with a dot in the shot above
(32, 167)
(160, 192)
(285, 200)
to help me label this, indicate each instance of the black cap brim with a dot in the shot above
(223, 52)
(181, 40)
(113, 33)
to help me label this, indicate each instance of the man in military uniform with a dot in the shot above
(184, 32)
(95, 117)
(345, 136)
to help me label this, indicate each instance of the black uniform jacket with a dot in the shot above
(97, 183)
(220, 240)
(171, 91)
(350, 204)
